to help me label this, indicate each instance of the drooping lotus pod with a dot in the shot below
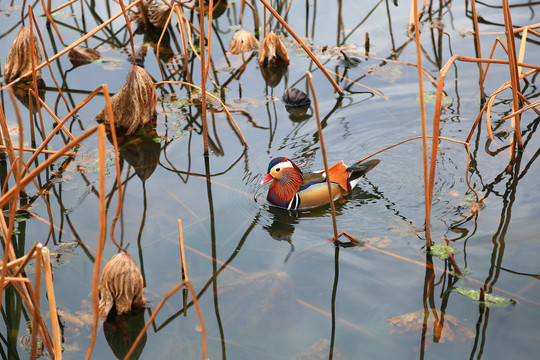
(242, 42)
(272, 50)
(158, 13)
(81, 55)
(19, 59)
(296, 103)
(295, 98)
(120, 285)
(135, 102)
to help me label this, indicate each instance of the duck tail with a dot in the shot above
(359, 169)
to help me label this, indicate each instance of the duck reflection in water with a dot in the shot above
(284, 221)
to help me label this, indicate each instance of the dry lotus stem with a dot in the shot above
(158, 14)
(81, 55)
(272, 49)
(19, 59)
(242, 41)
(135, 102)
(120, 285)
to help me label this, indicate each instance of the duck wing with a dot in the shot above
(316, 194)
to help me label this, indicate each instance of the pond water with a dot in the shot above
(277, 288)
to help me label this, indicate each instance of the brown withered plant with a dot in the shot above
(120, 285)
(243, 41)
(81, 55)
(135, 102)
(19, 59)
(158, 13)
(272, 50)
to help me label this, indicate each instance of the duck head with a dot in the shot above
(287, 180)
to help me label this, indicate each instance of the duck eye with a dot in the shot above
(278, 170)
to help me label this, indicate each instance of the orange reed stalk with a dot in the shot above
(13, 199)
(323, 151)
(209, 37)
(203, 76)
(255, 15)
(58, 87)
(42, 151)
(190, 288)
(42, 103)
(33, 60)
(364, 86)
(51, 21)
(182, 22)
(37, 298)
(452, 260)
(6, 137)
(101, 237)
(27, 295)
(21, 262)
(17, 164)
(158, 46)
(497, 41)
(522, 50)
(116, 163)
(47, 205)
(8, 250)
(523, 109)
(182, 252)
(62, 6)
(128, 24)
(478, 47)
(55, 326)
(16, 279)
(513, 65)
(427, 198)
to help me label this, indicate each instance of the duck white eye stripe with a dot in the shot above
(282, 165)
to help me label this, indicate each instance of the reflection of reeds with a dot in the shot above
(185, 283)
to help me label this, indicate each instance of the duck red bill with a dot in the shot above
(266, 179)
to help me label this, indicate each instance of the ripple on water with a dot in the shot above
(246, 195)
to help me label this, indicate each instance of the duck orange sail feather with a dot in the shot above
(338, 174)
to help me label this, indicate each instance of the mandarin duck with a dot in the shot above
(293, 190)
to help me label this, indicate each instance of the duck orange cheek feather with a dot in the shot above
(266, 179)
